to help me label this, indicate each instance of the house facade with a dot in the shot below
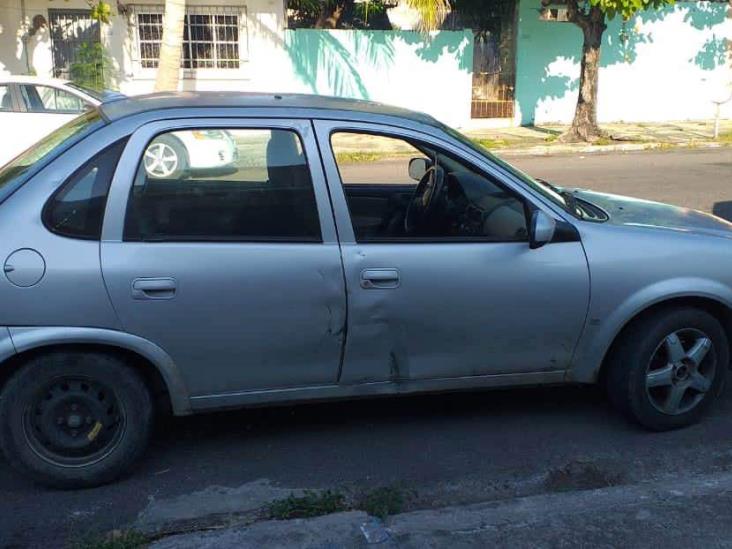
(521, 66)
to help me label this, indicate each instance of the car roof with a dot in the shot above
(25, 79)
(129, 106)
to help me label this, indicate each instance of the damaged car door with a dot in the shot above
(442, 280)
(235, 272)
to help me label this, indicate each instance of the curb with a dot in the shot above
(547, 150)
(424, 528)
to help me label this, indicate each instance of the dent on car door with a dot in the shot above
(234, 271)
(464, 295)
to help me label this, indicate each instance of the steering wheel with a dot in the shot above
(425, 199)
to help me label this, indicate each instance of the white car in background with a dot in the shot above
(173, 155)
(32, 107)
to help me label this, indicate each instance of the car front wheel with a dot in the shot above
(668, 367)
(73, 420)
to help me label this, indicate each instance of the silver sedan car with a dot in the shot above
(351, 249)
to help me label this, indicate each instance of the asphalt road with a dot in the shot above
(445, 449)
(699, 179)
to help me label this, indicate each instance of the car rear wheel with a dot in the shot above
(668, 368)
(72, 420)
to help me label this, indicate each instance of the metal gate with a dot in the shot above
(69, 30)
(494, 59)
(493, 76)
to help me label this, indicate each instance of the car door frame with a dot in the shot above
(324, 128)
(114, 216)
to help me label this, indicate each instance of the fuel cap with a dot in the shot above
(25, 268)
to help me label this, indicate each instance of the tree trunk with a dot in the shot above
(171, 48)
(584, 125)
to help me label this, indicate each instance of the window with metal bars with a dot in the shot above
(210, 38)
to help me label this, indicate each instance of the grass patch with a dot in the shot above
(382, 502)
(551, 138)
(310, 504)
(604, 141)
(491, 143)
(725, 137)
(117, 539)
(358, 157)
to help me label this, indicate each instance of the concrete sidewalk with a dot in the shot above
(686, 512)
(542, 140)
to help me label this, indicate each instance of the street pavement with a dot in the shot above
(441, 450)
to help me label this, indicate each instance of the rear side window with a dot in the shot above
(6, 100)
(223, 185)
(76, 210)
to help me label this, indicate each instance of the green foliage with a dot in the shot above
(628, 8)
(101, 11)
(310, 504)
(382, 502)
(90, 68)
(117, 539)
(431, 12)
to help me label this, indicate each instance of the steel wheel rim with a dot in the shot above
(161, 160)
(681, 371)
(74, 422)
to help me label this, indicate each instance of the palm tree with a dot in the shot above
(171, 47)
(431, 12)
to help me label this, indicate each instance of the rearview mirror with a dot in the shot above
(418, 167)
(541, 229)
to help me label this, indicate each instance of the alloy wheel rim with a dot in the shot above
(74, 422)
(160, 160)
(681, 371)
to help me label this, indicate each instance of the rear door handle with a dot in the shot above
(154, 288)
(379, 279)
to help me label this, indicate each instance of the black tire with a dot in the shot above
(630, 362)
(183, 164)
(111, 401)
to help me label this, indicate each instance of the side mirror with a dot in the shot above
(418, 167)
(541, 229)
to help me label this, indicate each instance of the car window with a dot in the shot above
(357, 154)
(223, 185)
(400, 190)
(76, 210)
(50, 99)
(6, 99)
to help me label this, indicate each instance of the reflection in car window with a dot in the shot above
(18, 171)
(441, 197)
(223, 185)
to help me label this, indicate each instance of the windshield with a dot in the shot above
(545, 190)
(21, 168)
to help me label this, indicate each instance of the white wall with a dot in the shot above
(671, 67)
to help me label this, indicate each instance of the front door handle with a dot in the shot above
(154, 288)
(379, 279)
